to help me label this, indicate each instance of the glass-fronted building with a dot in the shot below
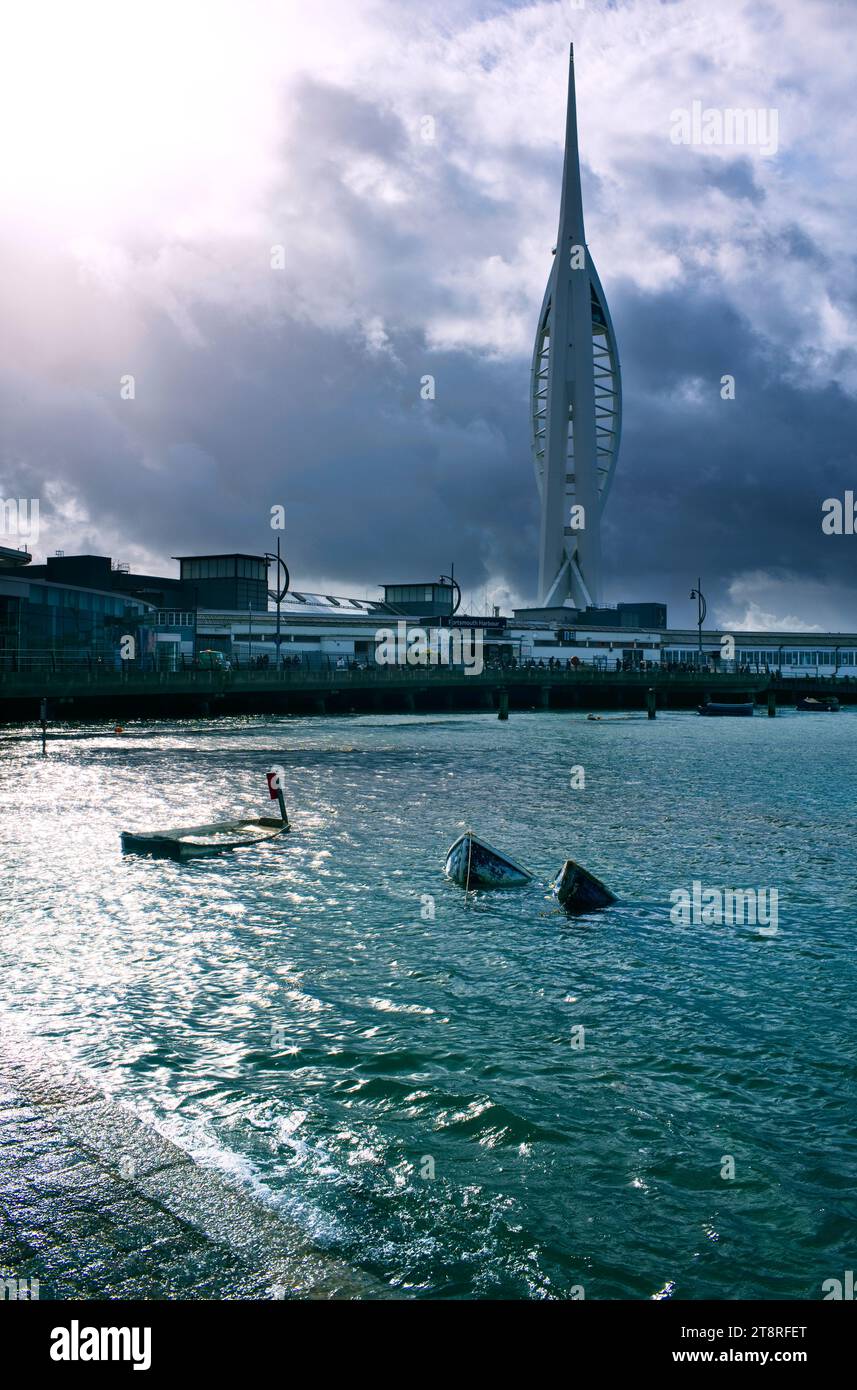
(434, 600)
(56, 626)
(234, 582)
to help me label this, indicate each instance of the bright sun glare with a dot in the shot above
(112, 112)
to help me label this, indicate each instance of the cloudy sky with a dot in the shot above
(153, 157)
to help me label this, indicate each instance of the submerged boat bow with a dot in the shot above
(471, 863)
(577, 890)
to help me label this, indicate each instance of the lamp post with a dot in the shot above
(283, 582)
(451, 580)
(701, 610)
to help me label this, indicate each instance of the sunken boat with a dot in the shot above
(218, 837)
(577, 890)
(471, 863)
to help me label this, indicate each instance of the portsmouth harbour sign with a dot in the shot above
(435, 646)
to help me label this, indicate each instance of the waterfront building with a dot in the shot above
(66, 620)
(74, 611)
(434, 600)
(235, 581)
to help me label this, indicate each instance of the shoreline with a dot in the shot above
(95, 1203)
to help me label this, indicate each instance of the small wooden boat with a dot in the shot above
(828, 704)
(200, 841)
(577, 890)
(612, 718)
(471, 863)
(715, 707)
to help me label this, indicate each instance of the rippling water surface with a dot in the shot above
(295, 1014)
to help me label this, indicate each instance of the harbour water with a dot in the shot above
(402, 1070)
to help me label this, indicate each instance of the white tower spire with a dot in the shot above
(576, 402)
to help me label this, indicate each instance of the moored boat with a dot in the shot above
(577, 890)
(471, 863)
(827, 704)
(726, 707)
(218, 837)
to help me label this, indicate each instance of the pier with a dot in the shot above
(192, 694)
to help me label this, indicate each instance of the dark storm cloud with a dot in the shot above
(404, 259)
(719, 487)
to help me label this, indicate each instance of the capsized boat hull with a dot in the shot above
(577, 890)
(202, 841)
(715, 707)
(471, 863)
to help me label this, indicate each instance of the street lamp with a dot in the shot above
(701, 610)
(451, 580)
(283, 582)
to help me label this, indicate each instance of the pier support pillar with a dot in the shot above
(772, 704)
(651, 703)
(546, 697)
(320, 704)
(503, 712)
(409, 701)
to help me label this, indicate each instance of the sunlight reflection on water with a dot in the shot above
(291, 1012)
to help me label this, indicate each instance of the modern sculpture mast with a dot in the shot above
(576, 402)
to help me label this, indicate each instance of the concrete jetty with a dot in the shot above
(96, 1204)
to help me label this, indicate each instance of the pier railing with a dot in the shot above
(127, 681)
(131, 694)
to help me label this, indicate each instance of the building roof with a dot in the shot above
(223, 555)
(12, 558)
(330, 605)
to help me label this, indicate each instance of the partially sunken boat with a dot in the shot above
(577, 890)
(735, 707)
(471, 863)
(200, 841)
